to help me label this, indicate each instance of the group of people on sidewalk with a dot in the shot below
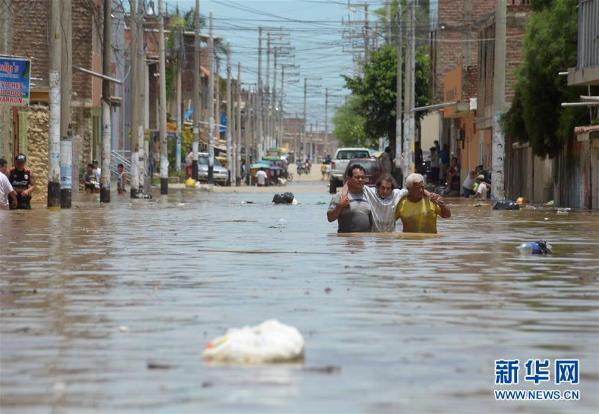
(17, 184)
(359, 208)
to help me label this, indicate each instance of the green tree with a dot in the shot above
(349, 125)
(549, 47)
(376, 91)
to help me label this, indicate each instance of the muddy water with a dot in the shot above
(90, 297)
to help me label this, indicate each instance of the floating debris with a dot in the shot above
(269, 342)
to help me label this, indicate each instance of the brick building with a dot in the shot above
(24, 129)
(454, 72)
(529, 176)
(453, 38)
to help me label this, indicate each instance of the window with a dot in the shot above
(203, 160)
(350, 155)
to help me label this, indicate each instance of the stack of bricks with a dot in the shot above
(37, 151)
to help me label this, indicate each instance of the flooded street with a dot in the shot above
(92, 300)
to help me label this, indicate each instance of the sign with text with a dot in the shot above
(14, 81)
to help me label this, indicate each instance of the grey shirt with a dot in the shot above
(356, 217)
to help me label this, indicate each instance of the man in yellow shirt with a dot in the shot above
(418, 213)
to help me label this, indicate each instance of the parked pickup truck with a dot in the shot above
(339, 163)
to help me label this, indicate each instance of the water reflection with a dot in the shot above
(89, 297)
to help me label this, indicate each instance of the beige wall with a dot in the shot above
(431, 129)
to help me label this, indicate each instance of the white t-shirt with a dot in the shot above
(5, 189)
(383, 209)
(98, 173)
(261, 177)
(468, 182)
(482, 190)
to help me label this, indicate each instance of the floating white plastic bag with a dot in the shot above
(269, 342)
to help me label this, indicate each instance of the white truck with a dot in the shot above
(339, 164)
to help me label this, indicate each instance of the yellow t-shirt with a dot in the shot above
(418, 217)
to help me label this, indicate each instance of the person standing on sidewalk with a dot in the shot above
(261, 178)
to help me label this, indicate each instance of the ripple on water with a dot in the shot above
(404, 318)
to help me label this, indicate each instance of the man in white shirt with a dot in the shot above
(383, 200)
(6, 190)
(261, 177)
(97, 171)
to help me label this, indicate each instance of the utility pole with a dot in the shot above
(133, 76)
(238, 123)
(106, 121)
(230, 157)
(196, 93)
(217, 103)
(303, 142)
(366, 33)
(387, 21)
(282, 113)
(326, 117)
(266, 97)
(210, 102)
(162, 118)
(66, 131)
(497, 176)
(144, 180)
(409, 94)
(273, 101)
(399, 91)
(55, 45)
(179, 112)
(249, 129)
(259, 97)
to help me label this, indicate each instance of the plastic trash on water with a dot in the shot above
(190, 183)
(284, 198)
(269, 342)
(563, 211)
(505, 205)
(536, 247)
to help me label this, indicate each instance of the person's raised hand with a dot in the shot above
(437, 199)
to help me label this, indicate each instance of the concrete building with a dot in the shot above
(529, 176)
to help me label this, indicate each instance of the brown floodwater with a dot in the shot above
(106, 308)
